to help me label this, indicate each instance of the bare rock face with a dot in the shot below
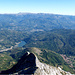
(29, 64)
(44, 69)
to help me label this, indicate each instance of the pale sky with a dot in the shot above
(64, 7)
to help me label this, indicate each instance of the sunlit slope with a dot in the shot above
(60, 40)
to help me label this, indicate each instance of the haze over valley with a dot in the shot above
(37, 37)
(46, 31)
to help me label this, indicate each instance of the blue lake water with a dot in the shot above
(22, 43)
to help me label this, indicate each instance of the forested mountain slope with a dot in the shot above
(60, 40)
(36, 22)
(9, 38)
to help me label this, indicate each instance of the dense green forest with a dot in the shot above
(59, 40)
(9, 38)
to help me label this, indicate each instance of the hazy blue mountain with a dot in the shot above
(36, 22)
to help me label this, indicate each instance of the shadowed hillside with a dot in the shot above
(29, 64)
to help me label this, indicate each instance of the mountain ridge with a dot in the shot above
(29, 64)
(36, 21)
(45, 56)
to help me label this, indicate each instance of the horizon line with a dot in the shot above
(20, 13)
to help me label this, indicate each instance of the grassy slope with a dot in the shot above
(6, 61)
(51, 58)
(45, 56)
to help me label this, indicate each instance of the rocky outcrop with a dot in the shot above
(29, 64)
(44, 69)
(26, 65)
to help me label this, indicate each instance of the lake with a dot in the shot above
(22, 43)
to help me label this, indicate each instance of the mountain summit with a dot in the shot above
(29, 64)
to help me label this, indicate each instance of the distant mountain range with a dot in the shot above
(36, 22)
